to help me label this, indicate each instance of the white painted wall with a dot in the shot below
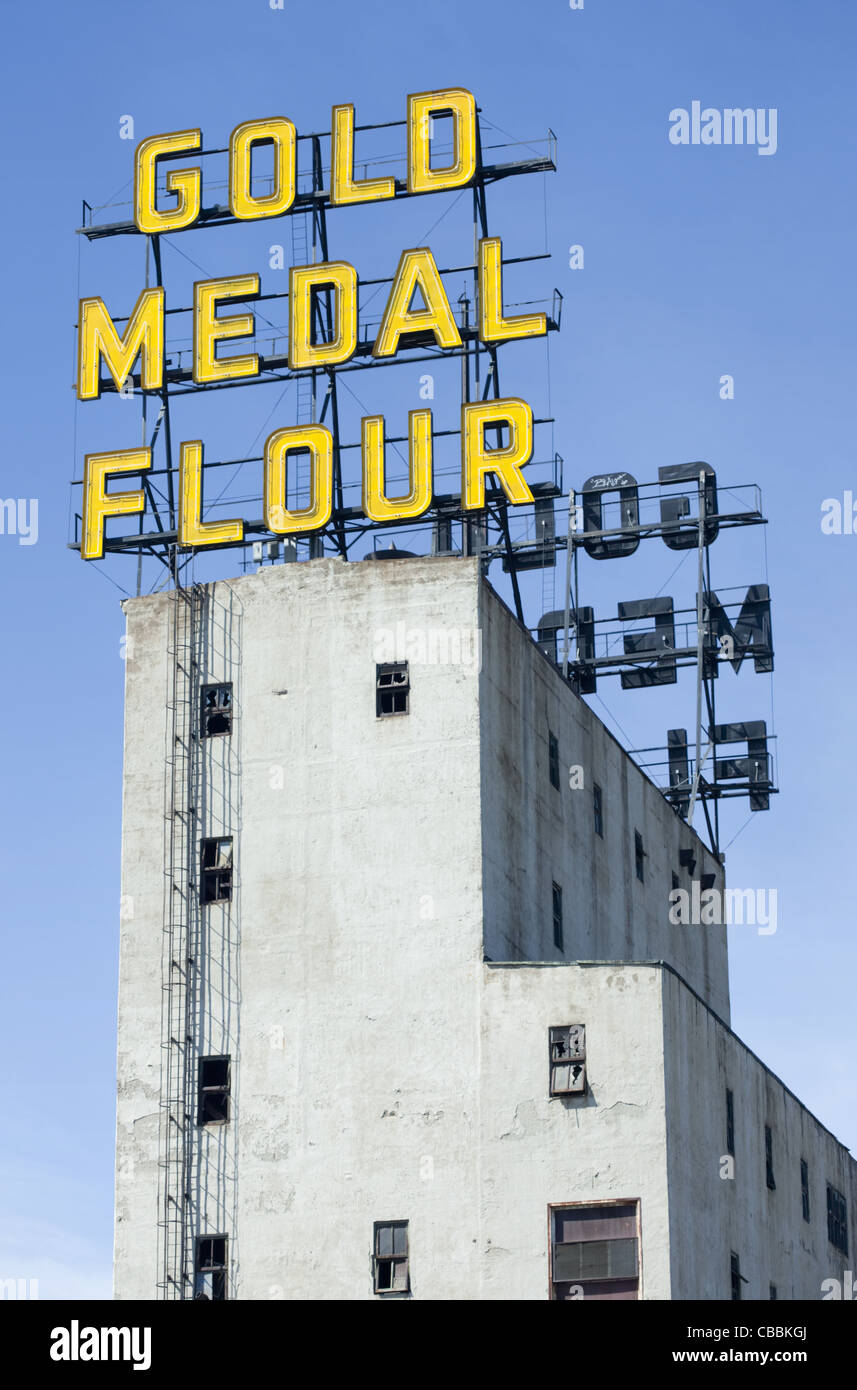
(381, 1070)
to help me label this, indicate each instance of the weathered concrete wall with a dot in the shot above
(539, 1150)
(712, 1215)
(381, 1071)
(535, 835)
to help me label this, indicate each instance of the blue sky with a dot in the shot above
(699, 261)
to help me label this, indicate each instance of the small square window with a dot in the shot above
(553, 759)
(597, 810)
(837, 1219)
(216, 711)
(639, 856)
(567, 1046)
(217, 870)
(804, 1189)
(392, 689)
(213, 1091)
(557, 917)
(391, 1257)
(210, 1268)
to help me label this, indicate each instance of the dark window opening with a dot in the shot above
(675, 882)
(594, 1253)
(553, 759)
(597, 810)
(639, 856)
(769, 1158)
(217, 870)
(567, 1046)
(557, 917)
(772, 1293)
(730, 1123)
(392, 689)
(216, 712)
(391, 1257)
(213, 1091)
(736, 1277)
(210, 1268)
(837, 1219)
(804, 1189)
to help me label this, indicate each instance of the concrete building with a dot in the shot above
(402, 1012)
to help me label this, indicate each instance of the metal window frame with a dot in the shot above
(222, 876)
(553, 759)
(804, 1190)
(735, 1275)
(554, 1062)
(769, 1159)
(380, 1262)
(221, 1089)
(595, 1206)
(837, 1220)
(558, 924)
(598, 809)
(639, 857)
(221, 1269)
(395, 688)
(218, 709)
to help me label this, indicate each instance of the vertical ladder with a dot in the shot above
(179, 952)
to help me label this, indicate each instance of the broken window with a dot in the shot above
(217, 870)
(804, 1189)
(213, 1098)
(597, 810)
(639, 856)
(210, 1268)
(392, 689)
(594, 1252)
(216, 711)
(735, 1276)
(837, 1219)
(769, 1158)
(557, 917)
(391, 1257)
(553, 759)
(730, 1122)
(568, 1060)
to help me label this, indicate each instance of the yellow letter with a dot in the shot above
(185, 183)
(279, 133)
(302, 280)
(376, 505)
(193, 531)
(492, 324)
(208, 329)
(422, 178)
(98, 504)
(97, 337)
(416, 269)
(344, 188)
(278, 446)
(476, 460)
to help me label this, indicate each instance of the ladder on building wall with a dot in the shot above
(180, 949)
